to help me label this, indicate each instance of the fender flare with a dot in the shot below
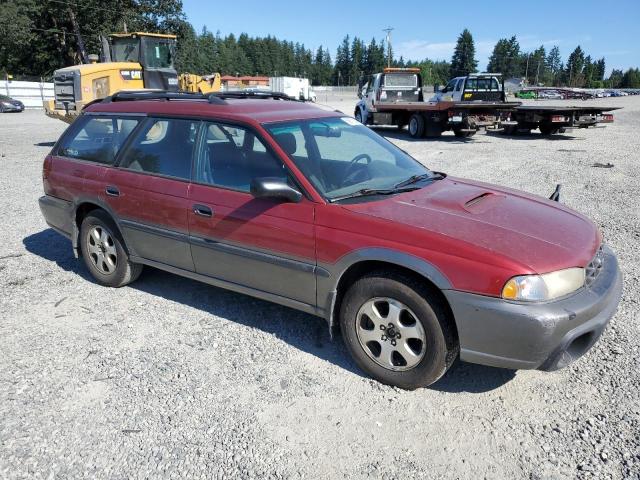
(328, 284)
(75, 233)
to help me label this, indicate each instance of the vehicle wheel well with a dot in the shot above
(83, 210)
(362, 268)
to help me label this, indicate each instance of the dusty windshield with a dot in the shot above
(340, 156)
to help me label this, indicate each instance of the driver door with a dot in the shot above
(263, 244)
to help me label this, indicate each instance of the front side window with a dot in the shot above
(162, 147)
(125, 49)
(232, 156)
(97, 139)
(450, 86)
(340, 156)
(459, 85)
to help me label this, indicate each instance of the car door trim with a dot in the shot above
(258, 255)
(216, 282)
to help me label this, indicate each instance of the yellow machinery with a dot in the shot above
(132, 61)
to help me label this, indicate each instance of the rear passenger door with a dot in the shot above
(263, 244)
(149, 190)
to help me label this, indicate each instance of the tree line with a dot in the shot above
(40, 36)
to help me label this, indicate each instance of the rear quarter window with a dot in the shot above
(96, 139)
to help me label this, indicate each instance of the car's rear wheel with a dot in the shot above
(359, 116)
(104, 252)
(397, 330)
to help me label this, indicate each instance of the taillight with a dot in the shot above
(607, 117)
(46, 167)
(559, 118)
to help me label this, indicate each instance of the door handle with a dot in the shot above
(202, 210)
(112, 191)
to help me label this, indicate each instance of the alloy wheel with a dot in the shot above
(390, 334)
(102, 249)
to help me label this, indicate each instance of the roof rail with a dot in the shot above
(253, 94)
(218, 98)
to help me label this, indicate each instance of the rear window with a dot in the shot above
(401, 80)
(97, 139)
(480, 84)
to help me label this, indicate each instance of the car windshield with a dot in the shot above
(4, 97)
(340, 156)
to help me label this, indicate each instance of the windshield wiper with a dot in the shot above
(365, 192)
(416, 178)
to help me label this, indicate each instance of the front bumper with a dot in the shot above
(13, 108)
(548, 335)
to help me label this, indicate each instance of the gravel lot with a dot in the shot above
(172, 378)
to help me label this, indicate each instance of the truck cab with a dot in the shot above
(486, 87)
(393, 85)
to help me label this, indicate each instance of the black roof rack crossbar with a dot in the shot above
(215, 98)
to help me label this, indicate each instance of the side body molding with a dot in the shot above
(327, 285)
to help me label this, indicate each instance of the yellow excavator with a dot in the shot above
(131, 61)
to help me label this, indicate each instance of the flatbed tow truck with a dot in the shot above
(464, 106)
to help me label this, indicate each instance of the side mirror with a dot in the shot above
(270, 187)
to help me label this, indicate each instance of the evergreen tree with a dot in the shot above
(463, 61)
(505, 58)
(553, 64)
(343, 62)
(573, 75)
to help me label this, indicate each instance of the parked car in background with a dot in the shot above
(308, 208)
(8, 104)
(526, 94)
(550, 95)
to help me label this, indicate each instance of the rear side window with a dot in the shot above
(162, 147)
(97, 139)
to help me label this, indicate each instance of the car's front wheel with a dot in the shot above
(104, 253)
(397, 330)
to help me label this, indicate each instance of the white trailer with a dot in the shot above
(298, 88)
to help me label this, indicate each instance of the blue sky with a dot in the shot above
(429, 29)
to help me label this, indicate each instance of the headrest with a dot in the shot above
(287, 141)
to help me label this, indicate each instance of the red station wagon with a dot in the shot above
(310, 209)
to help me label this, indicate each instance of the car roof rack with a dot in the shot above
(217, 98)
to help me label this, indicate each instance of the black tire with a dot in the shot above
(510, 130)
(460, 134)
(547, 129)
(122, 270)
(440, 346)
(416, 125)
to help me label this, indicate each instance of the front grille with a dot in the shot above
(64, 91)
(594, 268)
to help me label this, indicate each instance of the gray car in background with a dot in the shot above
(8, 104)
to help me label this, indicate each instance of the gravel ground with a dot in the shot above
(172, 378)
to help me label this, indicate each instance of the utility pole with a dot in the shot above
(388, 30)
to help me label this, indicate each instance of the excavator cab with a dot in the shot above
(154, 52)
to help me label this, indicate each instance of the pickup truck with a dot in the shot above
(464, 105)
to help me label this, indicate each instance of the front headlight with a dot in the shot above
(535, 288)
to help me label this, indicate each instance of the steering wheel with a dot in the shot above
(355, 168)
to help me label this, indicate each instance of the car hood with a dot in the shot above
(539, 234)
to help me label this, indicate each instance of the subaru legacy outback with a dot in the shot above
(310, 209)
